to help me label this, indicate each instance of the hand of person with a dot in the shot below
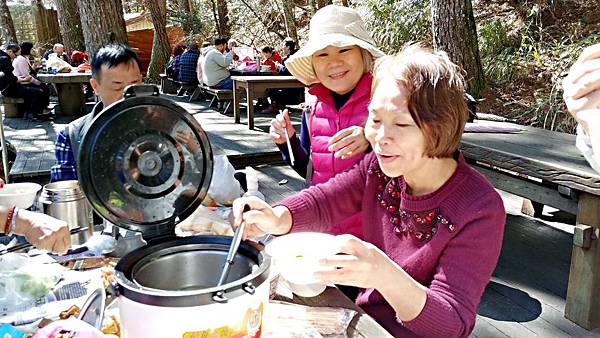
(187, 139)
(24, 79)
(43, 231)
(278, 124)
(582, 85)
(348, 142)
(261, 219)
(362, 266)
(1, 183)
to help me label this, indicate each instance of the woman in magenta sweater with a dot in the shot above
(433, 225)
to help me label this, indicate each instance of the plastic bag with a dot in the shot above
(23, 281)
(206, 221)
(224, 188)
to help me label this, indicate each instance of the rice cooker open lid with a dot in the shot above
(145, 163)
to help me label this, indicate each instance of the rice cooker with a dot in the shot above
(145, 164)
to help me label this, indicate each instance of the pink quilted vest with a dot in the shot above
(324, 122)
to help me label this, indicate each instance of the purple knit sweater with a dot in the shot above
(455, 264)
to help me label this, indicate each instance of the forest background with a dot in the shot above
(525, 47)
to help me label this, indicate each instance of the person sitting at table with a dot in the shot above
(114, 67)
(20, 87)
(78, 58)
(582, 95)
(269, 58)
(433, 225)
(58, 50)
(23, 68)
(214, 68)
(231, 44)
(206, 46)
(174, 63)
(338, 67)
(187, 65)
(282, 97)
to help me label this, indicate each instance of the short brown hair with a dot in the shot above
(435, 102)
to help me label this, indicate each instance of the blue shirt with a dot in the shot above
(187, 67)
(65, 167)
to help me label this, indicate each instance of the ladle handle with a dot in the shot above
(233, 248)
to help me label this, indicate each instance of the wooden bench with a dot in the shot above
(221, 97)
(167, 85)
(546, 167)
(10, 106)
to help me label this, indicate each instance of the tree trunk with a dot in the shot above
(7, 27)
(70, 25)
(290, 23)
(102, 23)
(224, 28)
(40, 28)
(323, 3)
(160, 42)
(455, 33)
(313, 6)
(215, 15)
(185, 8)
(51, 18)
(46, 24)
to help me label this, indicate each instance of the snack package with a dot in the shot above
(294, 320)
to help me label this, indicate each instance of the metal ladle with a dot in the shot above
(233, 248)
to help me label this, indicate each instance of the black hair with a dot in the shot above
(13, 47)
(220, 41)
(291, 44)
(26, 47)
(267, 49)
(112, 56)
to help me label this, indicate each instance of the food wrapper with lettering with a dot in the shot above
(300, 321)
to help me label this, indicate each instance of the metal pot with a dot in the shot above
(140, 174)
(169, 286)
(65, 200)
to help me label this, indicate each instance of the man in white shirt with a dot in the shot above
(214, 67)
(582, 96)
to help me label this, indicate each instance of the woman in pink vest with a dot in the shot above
(336, 63)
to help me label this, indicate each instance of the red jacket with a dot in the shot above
(275, 57)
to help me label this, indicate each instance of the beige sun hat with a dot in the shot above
(332, 25)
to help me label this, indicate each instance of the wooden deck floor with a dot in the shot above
(526, 296)
(34, 141)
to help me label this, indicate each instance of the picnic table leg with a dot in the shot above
(250, 100)
(236, 103)
(583, 293)
(70, 98)
(3, 143)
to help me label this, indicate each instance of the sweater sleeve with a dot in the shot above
(465, 267)
(320, 207)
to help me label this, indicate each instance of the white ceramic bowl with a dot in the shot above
(296, 256)
(21, 195)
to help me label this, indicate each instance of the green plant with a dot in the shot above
(393, 23)
(497, 53)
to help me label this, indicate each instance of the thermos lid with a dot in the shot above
(145, 162)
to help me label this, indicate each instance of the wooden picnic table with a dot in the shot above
(546, 167)
(362, 325)
(70, 93)
(256, 86)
